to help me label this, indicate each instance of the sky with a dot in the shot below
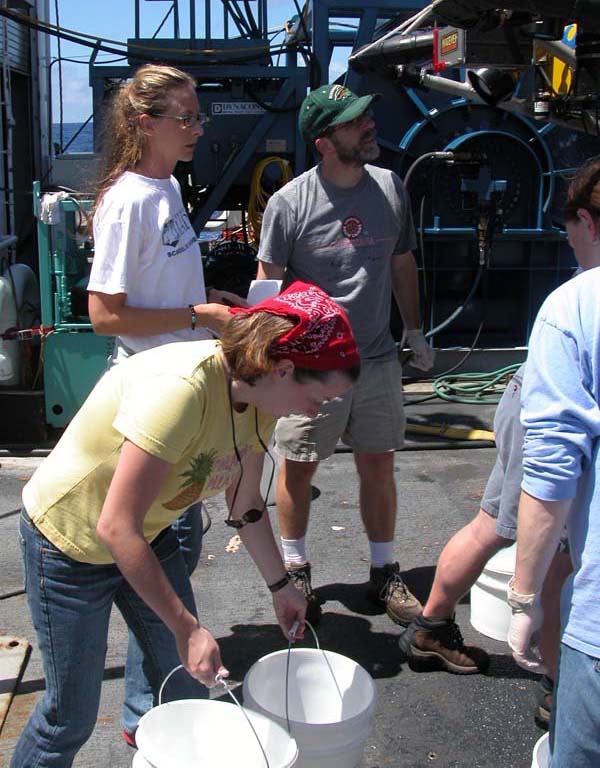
(114, 20)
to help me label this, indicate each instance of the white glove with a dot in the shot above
(422, 354)
(523, 633)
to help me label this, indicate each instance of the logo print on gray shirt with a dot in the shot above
(352, 227)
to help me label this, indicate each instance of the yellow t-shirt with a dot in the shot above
(172, 402)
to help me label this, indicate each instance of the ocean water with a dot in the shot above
(84, 141)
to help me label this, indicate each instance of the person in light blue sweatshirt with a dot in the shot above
(561, 417)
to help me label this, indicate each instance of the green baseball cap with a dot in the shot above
(330, 105)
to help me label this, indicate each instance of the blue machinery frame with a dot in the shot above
(229, 54)
(210, 59)
(410, 123)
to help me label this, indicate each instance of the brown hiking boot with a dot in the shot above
(386, 588)
(438, 644)
(301, 578)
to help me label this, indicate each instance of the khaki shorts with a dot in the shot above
(369, 418)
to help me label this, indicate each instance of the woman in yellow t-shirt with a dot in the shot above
(169, 426)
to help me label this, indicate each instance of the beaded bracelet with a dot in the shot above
(194, 316)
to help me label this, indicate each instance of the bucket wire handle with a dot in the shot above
(166, 680)
(291, 636)
(221, 680)
(227, 687)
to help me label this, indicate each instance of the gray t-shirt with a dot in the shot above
(343, 240)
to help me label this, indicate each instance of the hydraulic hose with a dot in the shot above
(259, 196)
(474, 388)
(460, 307)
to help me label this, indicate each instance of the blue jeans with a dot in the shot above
(139, 697)
(574, 726)
(70, 604)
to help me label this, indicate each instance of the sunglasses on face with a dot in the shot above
(187, 121)
(351, 124)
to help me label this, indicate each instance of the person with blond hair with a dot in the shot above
(167, 427)
(146, 284)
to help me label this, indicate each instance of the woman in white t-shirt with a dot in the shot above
(146, 285)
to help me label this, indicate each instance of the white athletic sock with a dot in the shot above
(382, 553)
(294, 551)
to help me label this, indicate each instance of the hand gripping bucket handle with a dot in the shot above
(225, 685)
(222, 681)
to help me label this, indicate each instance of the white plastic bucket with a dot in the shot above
(10, 351)
(541, 752)
(331, 700)
(27, 292)
(194, 733)
(19, 297)
(260, 290)
(490, 612)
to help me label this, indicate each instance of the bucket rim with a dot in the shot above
(249, 696)
(144, 738)
(541, 751)
(309, 651)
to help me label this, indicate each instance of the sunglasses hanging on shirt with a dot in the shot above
(252, 515)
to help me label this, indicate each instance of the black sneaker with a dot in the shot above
(387, 589)
(301, 578)
(438, 644)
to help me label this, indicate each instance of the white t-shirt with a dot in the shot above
(146, 247)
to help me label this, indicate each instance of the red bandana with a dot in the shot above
(322, 338)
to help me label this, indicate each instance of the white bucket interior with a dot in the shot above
(490, 612)
(331, 700)
(319, 692)
(541, 752)
(194, 733)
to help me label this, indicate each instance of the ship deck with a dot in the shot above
(422, 719)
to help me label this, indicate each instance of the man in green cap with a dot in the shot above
(346, 226)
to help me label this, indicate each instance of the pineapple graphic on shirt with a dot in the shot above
(195, 477)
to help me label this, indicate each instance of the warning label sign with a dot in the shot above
(449, 42)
